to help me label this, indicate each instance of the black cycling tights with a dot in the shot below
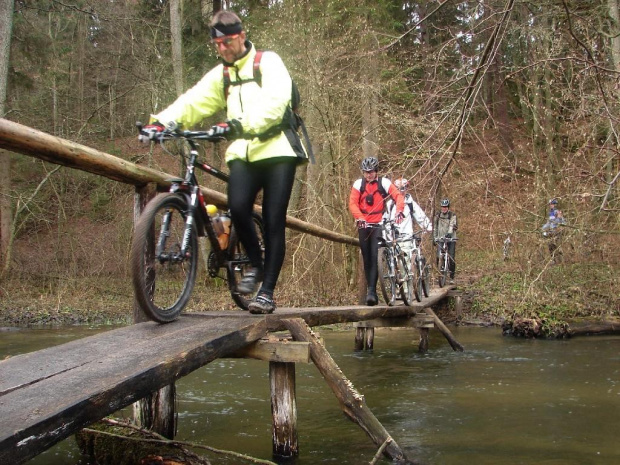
(369, 245)
(275, 177)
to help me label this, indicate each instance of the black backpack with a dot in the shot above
(291, 119)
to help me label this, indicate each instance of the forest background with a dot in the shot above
(498, 105)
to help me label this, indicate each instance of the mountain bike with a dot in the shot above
(420, 268)
(394, 274)
(164, 249)
(444, 259)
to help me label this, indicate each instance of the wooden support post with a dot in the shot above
(458, 306)
(360, 334)
(351, 401)
(444, 330)
(157, 410)
(370, 338)
(283, 409)
(423, 345)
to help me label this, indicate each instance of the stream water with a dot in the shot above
(502, 401)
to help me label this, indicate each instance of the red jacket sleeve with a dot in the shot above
(354, 204)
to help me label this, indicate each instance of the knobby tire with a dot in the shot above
(163, 285)
(387, 278)
(405, 280)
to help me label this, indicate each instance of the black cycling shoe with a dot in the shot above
(250, 281)
(263, 304)
(372, 298)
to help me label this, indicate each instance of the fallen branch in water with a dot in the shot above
(380, 451)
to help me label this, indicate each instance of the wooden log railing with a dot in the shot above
(28, 141)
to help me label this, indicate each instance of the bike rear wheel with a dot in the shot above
(163, 279)
(387, 277)
(239, 263)
(406, 280)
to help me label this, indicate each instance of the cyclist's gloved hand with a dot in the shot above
(361, 224)
(149, 131)
(399, 218)
(230, 130)
(448, 235)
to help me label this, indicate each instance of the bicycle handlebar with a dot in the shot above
(173, 133)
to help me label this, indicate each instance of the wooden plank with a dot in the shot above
(417, 321)
(320, 316)
(101, 374)
(276, 351)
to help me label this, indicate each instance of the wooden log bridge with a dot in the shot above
(48, 395)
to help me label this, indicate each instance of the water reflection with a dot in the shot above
(502, 401)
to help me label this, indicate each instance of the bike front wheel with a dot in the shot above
(239, 263)
(406, 280)
(163, 276)
(444, 270)
(419, 291)
(426, 279)
(387, 277)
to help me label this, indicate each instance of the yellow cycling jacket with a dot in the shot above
(257, 108)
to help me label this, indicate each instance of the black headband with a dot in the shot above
(221, 30)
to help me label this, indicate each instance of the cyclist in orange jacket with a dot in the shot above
(366, 204)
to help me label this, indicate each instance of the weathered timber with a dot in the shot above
(360, 332)
(28, 141)
(604, 326)
(48, 395)
(420, 320)
(283, 409)
(445, 331)
(423, 344)
(351, 401)
(369, 342)
(276, 351)
(320, 316)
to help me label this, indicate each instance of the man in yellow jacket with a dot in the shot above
(264, 151)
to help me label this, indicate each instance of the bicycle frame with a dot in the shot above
(180, 216)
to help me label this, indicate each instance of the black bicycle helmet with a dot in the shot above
(445, 203)
(553, 202)
(370, 164)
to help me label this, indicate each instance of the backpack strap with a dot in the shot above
(257, 75)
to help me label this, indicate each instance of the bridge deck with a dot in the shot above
(46, 396)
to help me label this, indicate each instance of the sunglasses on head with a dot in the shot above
(226, 40)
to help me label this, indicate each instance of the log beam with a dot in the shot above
(351, 401)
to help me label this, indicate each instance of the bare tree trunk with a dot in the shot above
(176, 27)
(6, 27)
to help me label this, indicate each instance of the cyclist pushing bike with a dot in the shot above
(445, 226)
(366, 204)
(255, 89)
(412, 212)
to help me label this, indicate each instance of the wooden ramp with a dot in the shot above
(48, 395)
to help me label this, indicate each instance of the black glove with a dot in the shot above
(448, 235)
(361, 224)
(230, 130)
(148, 132)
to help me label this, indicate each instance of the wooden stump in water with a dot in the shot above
(283, 409)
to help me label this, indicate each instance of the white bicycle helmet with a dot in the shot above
(401, 184)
